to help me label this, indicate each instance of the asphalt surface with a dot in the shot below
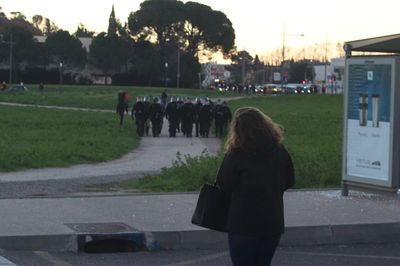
(331, 255)
(163, 221)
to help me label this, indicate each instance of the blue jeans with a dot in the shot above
(252, 251)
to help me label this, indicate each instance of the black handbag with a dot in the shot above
(212, 208)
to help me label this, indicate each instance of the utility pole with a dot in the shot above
(166, 74)
(178, 69)
(284, 48)
(11, 61)
(11, 43)
(326, 60)
(283, 44)
(61, 72)
(199, 80)
(243, 70)
(283, 53)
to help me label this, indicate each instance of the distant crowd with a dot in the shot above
(191, 117)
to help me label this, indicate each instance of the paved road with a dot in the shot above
(367, 255)
(151, 155)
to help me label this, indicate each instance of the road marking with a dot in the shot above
(6, 262)
(341, 255)
(46, 256)
(201, 259)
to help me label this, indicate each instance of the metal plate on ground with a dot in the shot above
(101, 228)
(5, 262)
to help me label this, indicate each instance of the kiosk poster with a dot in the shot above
(368, 120)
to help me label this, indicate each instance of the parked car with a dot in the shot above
(310, 88)
(306, 89)
(273, 89)
(259, 89)
(292, 88)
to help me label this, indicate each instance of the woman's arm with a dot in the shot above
(226, 176)
(289, 171)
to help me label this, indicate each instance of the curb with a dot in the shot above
(200, 239)
(294, 236)
(342, 234)
(40, 242)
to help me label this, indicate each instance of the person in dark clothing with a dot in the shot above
(187, 113)
(196, 117)
(147, 118)
(172, 114)
(206, 116)
(219, 118)
(180, 102)
(226, 117)
(255, 172)
(122, 106)
(164, 98)
(156, 113)
(41, 87)
(139, 113)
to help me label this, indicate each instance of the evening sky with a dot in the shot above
(259, 24)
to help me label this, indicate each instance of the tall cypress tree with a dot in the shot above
(112, 24)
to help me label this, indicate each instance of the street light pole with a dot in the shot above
(178, 69)
(11, 43)
(243, 71)
(199, 80)
(283, 44)
(61, 73)
(166, 74)
(11, 61)
(284, 48)
(326, 60)
(283, 53)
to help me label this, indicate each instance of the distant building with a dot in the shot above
(214, 73)
(330, 75)
(86, 41)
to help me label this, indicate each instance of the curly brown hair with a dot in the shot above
(248, 127)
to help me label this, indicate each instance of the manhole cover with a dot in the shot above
(101, 228)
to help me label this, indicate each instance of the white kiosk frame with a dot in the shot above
(371, 134)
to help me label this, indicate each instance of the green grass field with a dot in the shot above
(313, 135)
(95, 97)
(35, 138)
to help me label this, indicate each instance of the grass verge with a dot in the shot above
(186, 174)
(36, 138)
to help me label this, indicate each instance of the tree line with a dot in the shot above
(159, 44)
(135, 51)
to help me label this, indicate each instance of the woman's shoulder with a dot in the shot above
(282, 152)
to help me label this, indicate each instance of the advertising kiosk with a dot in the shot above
(371, 116)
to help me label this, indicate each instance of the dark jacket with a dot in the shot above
(256, 183)
(156, 112)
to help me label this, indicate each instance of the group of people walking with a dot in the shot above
(184, 115)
